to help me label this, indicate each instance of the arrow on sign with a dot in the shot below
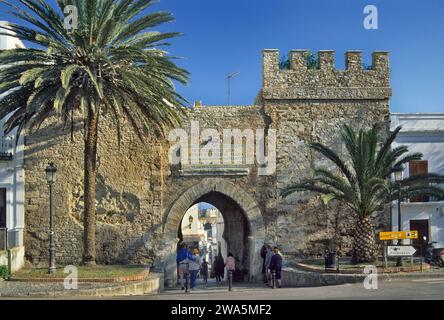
(400, 251)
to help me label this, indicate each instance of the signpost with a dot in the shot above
(397, 235)
(400, 251)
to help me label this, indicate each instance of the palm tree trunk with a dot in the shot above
(89, 187)
(364, 243)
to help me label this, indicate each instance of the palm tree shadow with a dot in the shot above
(48, 137)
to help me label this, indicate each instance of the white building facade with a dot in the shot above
(12, 213)
(203, 227)
(421, 132)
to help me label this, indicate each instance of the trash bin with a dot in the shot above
(331, 261)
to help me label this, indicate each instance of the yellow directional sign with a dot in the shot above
(395, 235)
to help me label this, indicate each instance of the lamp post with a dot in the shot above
(50, 178)
(422, 251)
(190, 220)
(398, 179)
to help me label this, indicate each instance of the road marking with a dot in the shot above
(435, 282)
(428, 279)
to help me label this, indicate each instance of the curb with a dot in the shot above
(296, 278)
(137, 277)
(152, 285)
(390, 270)
(412, 275)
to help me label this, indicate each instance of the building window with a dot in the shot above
(2, 208)
(418, 167)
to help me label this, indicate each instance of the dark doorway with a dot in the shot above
(422, 226)
(3, 219)
(2, 207)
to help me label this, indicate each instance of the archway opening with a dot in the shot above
(202, 227)
(244, 227)
(217, 225)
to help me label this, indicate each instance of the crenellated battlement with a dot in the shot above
(326, 82)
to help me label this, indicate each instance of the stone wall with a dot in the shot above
(137, 186)
(129, 193)
(311, 105)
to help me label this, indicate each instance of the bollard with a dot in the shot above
(273, 279)
(230, 280)
(187, 282)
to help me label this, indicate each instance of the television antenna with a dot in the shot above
(229, 78)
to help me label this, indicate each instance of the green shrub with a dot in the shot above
(312, 61)
(4, 272)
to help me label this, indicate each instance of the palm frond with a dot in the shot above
(108, 63)
(363, 181)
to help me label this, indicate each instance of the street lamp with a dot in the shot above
(51, 171)
(398, 179)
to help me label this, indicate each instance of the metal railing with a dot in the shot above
(6, 146)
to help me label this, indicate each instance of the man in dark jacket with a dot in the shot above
(276, 266)
(263, 255)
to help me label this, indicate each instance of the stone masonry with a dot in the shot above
(141, 198)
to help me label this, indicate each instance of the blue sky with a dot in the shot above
(228, 36)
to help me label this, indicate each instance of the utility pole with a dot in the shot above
(229, 78)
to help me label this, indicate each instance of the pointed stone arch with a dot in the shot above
(252, 213)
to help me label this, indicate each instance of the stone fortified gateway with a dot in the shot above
(141, 198)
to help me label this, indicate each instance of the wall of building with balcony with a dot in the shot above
(422, 132)
(192, 227)
(12, 221)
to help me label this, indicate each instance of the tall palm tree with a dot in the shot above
(109, 64)
(363, 181)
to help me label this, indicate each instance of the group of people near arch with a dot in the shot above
(190, 263)
(271, 265)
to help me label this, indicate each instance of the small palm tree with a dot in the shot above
(109, 64)
(363, 182)
(312, 61)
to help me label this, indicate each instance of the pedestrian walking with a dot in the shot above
(276, 268)
(204, 271)
(194, 267)
(230, 264)
(263, 255)
(183, 259)
(219, 267)
(268, 257)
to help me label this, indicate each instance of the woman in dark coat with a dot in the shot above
(276, 266)
(219, 268)
(263, 255)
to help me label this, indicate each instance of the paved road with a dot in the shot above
(427, 288)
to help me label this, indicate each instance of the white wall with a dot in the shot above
(12, 178)
(220, 228)
(422, 133)
(196, 232)
(7, 43)
(432, 211)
